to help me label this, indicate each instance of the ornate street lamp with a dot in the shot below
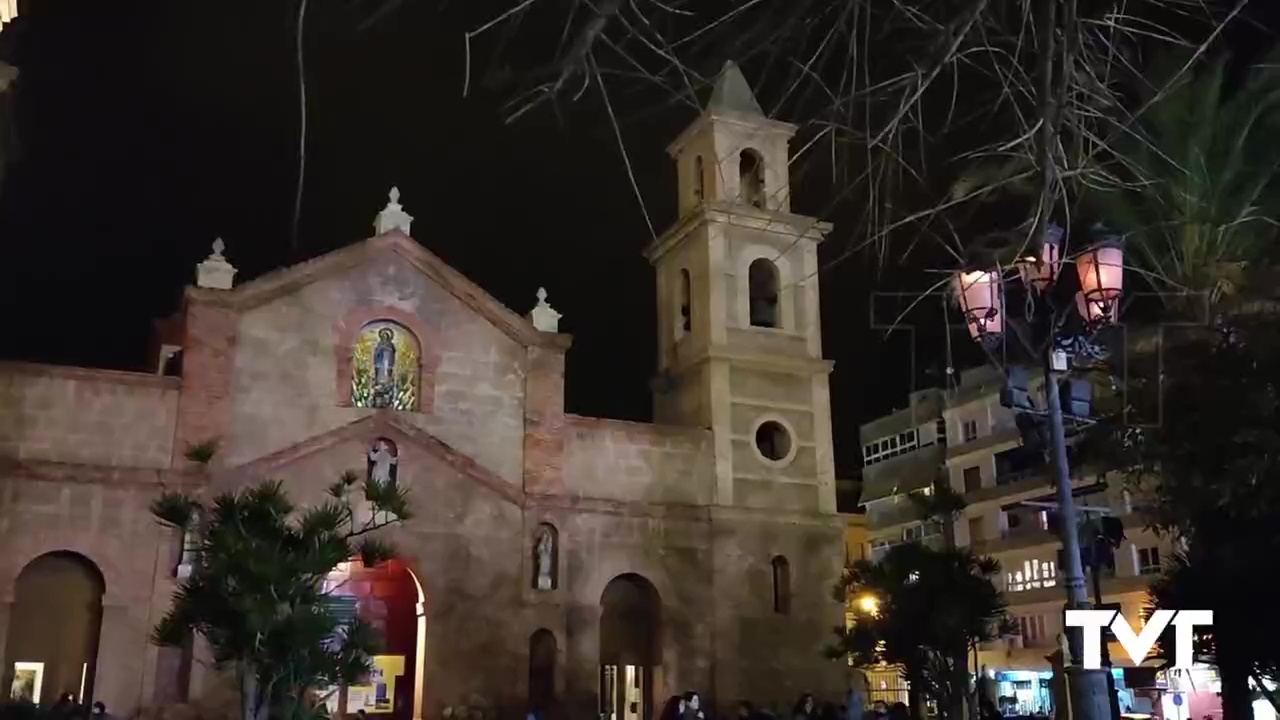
(978, 293)
(1100, 272)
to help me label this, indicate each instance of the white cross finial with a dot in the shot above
(543, 316)
(218, 247)
(393, 216)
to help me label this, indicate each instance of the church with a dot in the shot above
(553, 560)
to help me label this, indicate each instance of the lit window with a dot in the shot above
(1149, 561)
(970, 430)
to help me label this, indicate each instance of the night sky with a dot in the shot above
(150, 127)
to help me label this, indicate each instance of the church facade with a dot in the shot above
(553, 559)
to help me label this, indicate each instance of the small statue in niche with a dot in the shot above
(383, 462)
(384, 369)
(544, 555)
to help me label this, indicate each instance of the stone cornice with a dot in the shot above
(383, 423)
(116, 377)
(733, 215)
(289, 280)
(771, 362)
(680, 512)
(50, 471)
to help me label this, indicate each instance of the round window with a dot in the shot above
(773, 441)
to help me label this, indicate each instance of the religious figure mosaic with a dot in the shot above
(384, 368)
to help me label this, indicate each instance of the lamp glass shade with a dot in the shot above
(978, 294)
(1101, 271)
(1039, 271)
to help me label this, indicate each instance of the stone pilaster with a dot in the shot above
(208, 353)
(544, 422)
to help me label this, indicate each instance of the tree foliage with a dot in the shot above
(1206, 473)
(932, 607)
(257, 592)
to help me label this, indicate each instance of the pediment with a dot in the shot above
(386, 424)
(287, 281)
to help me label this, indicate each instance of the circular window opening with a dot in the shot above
(773, 441)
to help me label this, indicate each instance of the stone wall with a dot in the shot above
(102, 515)
(638, 462)
(288, 384)
(74, 415)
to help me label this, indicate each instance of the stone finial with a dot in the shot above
(543, 316)
(393, 216)
(215, 272)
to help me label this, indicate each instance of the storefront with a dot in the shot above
(1024, 692)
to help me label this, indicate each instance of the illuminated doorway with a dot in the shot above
(390, 598)
(629, 648)
(52, 643)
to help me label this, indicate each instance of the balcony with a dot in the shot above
(934, 542)
(1019, 539)
(900, 512)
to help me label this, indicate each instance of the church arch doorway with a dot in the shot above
(54, 627)
(389, 597)
(630, 648)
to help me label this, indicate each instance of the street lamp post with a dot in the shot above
(1059, 326)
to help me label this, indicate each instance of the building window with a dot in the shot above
(975, 531)
(686, 302)
(1032, 630)
(781, 585)
(751, 178)
(385, 368)
(1149, 561)
(762, 293)
(972, 479)
(699, 180)
(940, 427)
(969, 430)
(1035, 574)
(773, 441)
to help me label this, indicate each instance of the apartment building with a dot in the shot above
(973, 442)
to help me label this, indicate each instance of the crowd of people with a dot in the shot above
(689, 707)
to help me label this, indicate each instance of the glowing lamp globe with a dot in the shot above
(1038, 271)
(1101, 271)
(978, 294)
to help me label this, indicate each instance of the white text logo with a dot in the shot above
(1138, 645)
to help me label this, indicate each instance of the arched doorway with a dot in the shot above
(389, 597)
(630, 649)
(54, 626)
(542, 670)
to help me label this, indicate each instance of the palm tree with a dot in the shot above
(1194, 182)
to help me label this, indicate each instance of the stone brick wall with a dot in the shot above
(285, 372)
(638, 462)
(74, 415)
(103, 515)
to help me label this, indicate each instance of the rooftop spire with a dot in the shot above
(733, 94)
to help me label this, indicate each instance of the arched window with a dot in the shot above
(542, 670)
(686, 302)
(751, 178)
(699, 180)
(781, 585)
(762, 291)
(385, 367)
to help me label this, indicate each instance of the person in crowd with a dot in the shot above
(805, 708)
(879, 710)
(692, 706)
(899, 711)
(673, 709)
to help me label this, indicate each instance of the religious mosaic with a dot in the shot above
(384, 368)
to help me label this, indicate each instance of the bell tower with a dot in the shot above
(740, 343)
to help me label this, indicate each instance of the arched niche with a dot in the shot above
(751, 178)
(546, 558)
(54, 627)
(543, 651)
(386, 367)
(764, 291)
(767, 288)
(630, 647)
